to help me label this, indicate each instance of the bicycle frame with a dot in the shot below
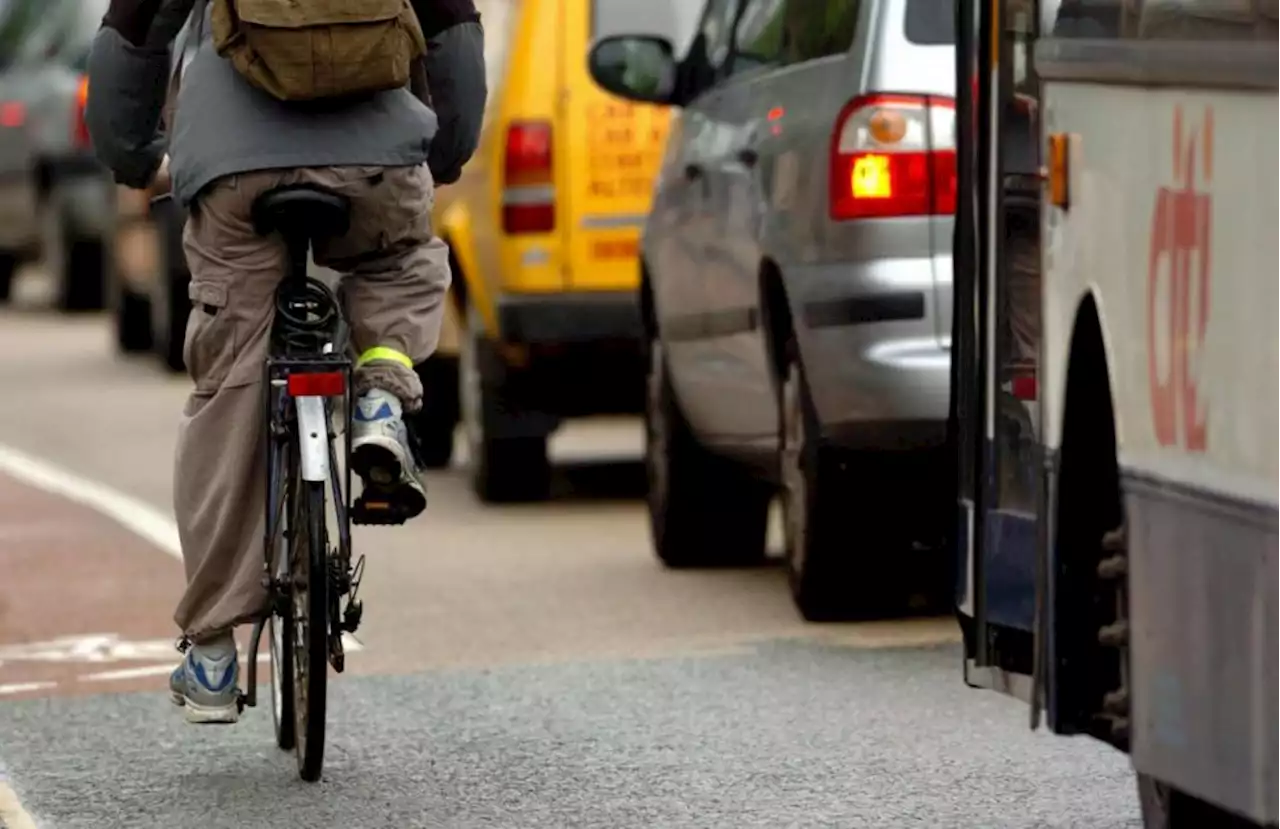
(300, 434)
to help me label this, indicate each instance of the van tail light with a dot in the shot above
(894, 156)
(13, 114)
(529, 194)
(80, 130)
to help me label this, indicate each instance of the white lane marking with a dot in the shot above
(135, 515)
(23, 687)
(12, 815)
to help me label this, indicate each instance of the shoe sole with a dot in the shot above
(379, 463)
(206, 714)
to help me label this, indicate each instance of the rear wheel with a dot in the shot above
(704, 510)
(310, 628)
(436, 421)
(280, 642)
(1164, 807)
(78, 265)
(8, 269)
(507, 464)
(170, 306)
(131, 315)
(830, 554)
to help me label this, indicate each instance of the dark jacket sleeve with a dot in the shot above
(128, 78)
(456, 80)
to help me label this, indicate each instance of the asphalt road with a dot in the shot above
(518, 667)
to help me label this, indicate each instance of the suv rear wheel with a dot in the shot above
(704, 510)
(834, 539)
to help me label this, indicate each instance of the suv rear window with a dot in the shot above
(931, 22)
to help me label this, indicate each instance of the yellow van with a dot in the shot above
(544, 229)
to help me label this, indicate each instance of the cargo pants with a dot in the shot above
(395, 273)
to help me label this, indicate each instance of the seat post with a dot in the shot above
(297, 245)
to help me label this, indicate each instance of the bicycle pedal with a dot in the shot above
(376, 511)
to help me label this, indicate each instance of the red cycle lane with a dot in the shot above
(85, 604)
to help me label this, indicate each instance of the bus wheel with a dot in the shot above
(1164, 807)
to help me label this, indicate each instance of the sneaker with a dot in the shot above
(381, 455)
(205, 683)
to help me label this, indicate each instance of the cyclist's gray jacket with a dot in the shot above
(225, 126)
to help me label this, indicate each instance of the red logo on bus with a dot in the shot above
(1178, 287)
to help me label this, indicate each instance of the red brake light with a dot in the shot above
(893, 155)
(528, 200)
(317, 384)
(80, 129)
(13, 114)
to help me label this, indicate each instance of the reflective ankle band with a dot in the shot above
(380, 352)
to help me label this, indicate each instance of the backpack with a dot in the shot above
(307, 50)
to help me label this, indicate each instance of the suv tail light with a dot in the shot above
(80, 131)
(892, 156)
(529, 195)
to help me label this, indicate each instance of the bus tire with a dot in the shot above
(1164, 807)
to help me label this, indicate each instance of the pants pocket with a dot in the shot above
(211, 344)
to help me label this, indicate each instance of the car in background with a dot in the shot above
(56, 201)
(544, 230)
(795, 282)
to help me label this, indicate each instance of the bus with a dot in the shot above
(1114, 384)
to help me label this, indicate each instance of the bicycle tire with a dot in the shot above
(310, 628)
(280, 643)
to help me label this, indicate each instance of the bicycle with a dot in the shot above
(313, 587)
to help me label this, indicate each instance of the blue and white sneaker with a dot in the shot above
(382, 457)
(205, 683)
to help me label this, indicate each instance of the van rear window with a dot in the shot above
(931, 22)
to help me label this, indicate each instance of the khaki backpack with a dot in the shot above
(306, 50)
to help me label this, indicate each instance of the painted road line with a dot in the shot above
(135, 515)
(12, 815)
(24, 687)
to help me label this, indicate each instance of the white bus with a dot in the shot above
(1115, 384)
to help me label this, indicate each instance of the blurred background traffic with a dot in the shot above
(552, 315)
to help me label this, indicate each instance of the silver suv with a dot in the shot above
(797, 288)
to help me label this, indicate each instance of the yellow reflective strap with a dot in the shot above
(381, 352)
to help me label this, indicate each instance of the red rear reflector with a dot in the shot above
(13, 114)
(528, 218)
(317, 384)
(615, 249)
(1025, 386)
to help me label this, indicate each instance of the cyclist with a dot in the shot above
(228, 143)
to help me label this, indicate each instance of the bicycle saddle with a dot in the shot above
(301, 211)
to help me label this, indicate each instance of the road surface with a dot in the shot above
(518, 667)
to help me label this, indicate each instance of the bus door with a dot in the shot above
(995, 342)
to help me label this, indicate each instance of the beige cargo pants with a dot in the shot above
(395, 273)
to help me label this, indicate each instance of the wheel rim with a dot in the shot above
(301, 633)
(656, 438)
(795, 487)
(277, 632)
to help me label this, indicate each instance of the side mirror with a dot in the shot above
(637, 67)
